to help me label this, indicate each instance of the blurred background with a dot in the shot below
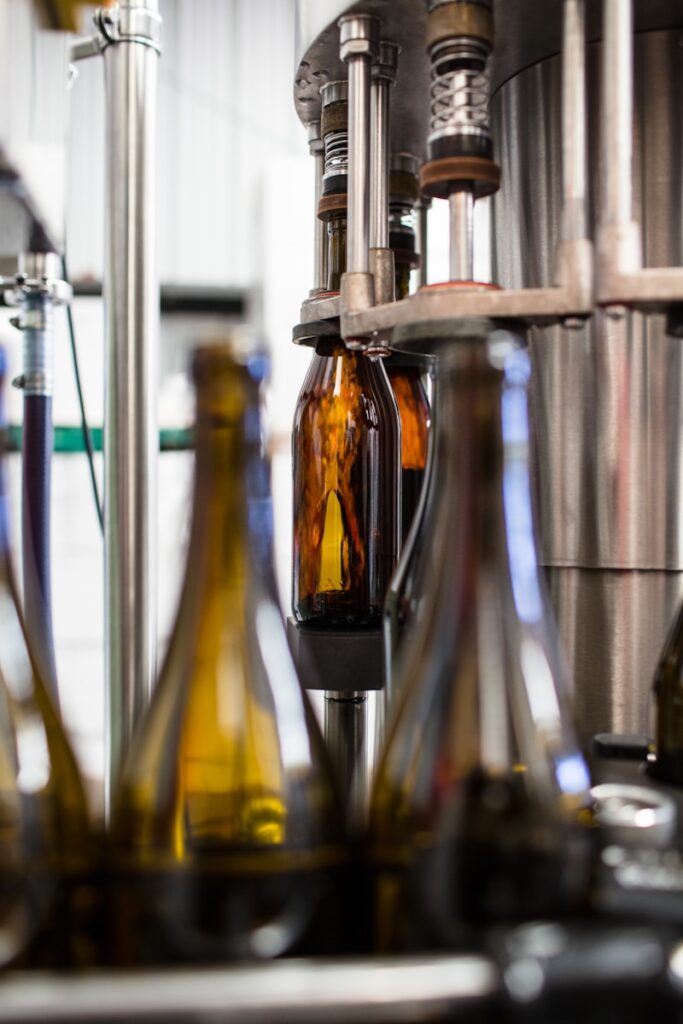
(234, 244)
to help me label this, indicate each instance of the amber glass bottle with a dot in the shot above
(476, 805)
(406, 381)
(226, 833)
(45, 840)
(346, 447)
(668, 690)
(406, 373)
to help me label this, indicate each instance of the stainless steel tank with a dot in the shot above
(608, 398)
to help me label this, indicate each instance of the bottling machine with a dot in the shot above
(564, 115)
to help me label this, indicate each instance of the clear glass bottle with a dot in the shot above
(346, 449)
(226, 835)
(478, 797)
(46, 844)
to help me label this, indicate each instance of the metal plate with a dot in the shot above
(527, 31)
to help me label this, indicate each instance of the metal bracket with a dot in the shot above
(120, 25)
(571, 300)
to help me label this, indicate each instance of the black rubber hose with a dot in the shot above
(37, 446)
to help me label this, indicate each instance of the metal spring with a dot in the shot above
(459, 102)
(336, 153)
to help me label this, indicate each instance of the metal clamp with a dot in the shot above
(120, 25)
(129, 25)
(38, 274)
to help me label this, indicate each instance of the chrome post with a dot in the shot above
(422, 211)
(359, 45)
(617, 111)
(317, 151)
(574, 127)
(461, 206)
(383, 76)
(131, 294)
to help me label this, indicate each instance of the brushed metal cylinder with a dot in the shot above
(131, 296)
(608, 398)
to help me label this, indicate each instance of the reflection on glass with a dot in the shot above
(226, 831)
(477, 801)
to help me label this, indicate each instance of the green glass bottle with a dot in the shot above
(226, 836)
(47, 900)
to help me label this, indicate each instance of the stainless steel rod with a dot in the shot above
(346, 736)
(461, 204)
(423, 240)
(379, 163)
(320, 244)
(131, 295)
(359, 165)
(574, 122)
(617, 111)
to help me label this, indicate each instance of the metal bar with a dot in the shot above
(407, 989)
(317, 151)
(617, 111)
(359, 163)
(461, 205)
(131, 295)
(345, 731)
(379, 162)
(320, 243)
(423, 240)
(574, 124)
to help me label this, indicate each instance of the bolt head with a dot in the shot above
(359, 36)
(616, 311)
(574, 323)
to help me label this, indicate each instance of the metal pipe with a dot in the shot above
(422, 211)
(317, 151)
(461, 205)
(617, 111)
(359, 162)
(345, 731)
(37, 319)
(131, 295)
(574, 123)
(359, 45)
(379, 159)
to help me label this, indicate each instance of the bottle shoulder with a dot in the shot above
(231, 741)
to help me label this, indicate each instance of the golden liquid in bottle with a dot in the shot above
(226, 833)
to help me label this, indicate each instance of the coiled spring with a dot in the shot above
(336, 153)
(459, 101)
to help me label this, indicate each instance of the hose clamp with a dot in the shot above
(119, 24)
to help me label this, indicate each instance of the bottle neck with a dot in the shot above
(218, 538)
(482, 457)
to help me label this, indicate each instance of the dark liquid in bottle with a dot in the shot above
(493, 859)
(229, 909)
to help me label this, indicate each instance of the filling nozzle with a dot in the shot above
(460, 166)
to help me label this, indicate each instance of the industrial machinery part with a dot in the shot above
(607, 395)
(37, 290)
(128, 37)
